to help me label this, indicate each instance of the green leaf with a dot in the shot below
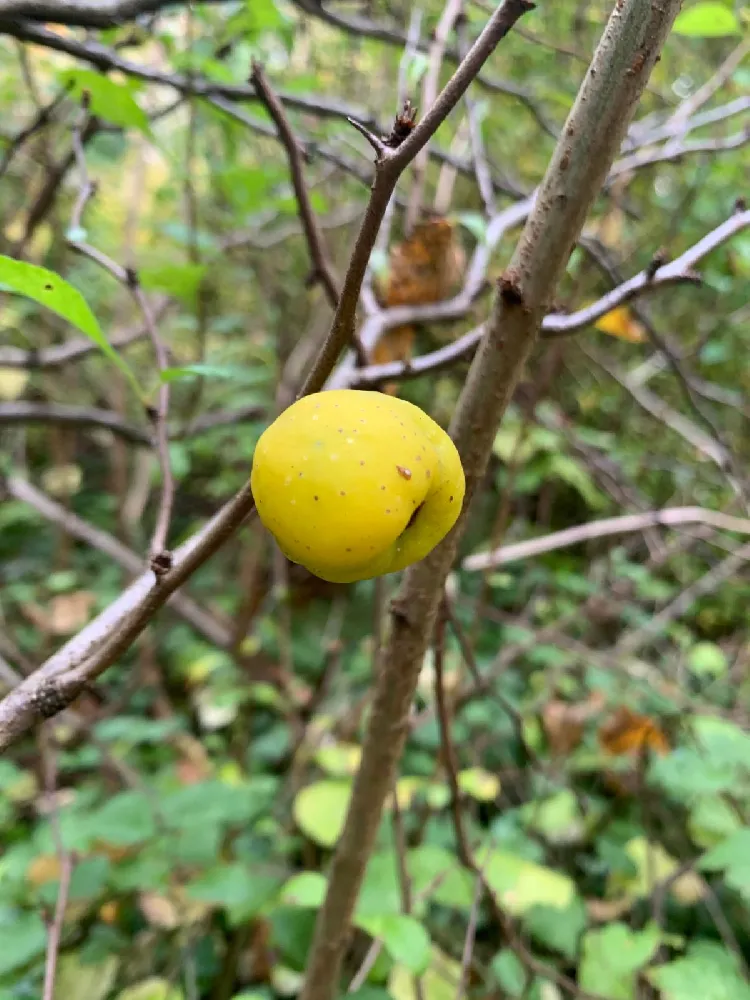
(181, 281)
(706, 659)
(712, 820)
(320, 810)
(575, 475)
(124, 820)
(557, 929)
(708, 970)
(134, 730)
(151, 989)
(733, 850)
(85, 980)
(114, 102)
(434, 868)
(479, 784)
(50, 290)
(520, 884)
(307, 889)
(219, 802)
(24, 938)
(439, 981)
(380, 892)
(707, 20)
(612, 958)
(236, 889)
(733, 858)
(405, 939)
(557, 818)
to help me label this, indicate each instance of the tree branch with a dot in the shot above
(87, 13)
(22, 412)
(74, 349)
(625, 56)
(553, 325)
(602, 529)
(188, 609)
(322, 268)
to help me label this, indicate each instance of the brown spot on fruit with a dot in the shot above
(404, 473)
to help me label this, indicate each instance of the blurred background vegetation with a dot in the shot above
(583, 715)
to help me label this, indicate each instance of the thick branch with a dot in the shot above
(595, 128)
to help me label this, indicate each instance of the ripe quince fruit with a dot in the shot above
(354, 484)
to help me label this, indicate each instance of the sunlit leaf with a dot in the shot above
(612, 957)
(710, 19)
(114, 102)
(320, 810)
(56, 294)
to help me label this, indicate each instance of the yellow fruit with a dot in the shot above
(354, 484)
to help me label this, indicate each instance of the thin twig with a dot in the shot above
(448, 750)
(430, 83)
(129, 279)
(471, 933)
(322, 267)
(189, 610)
(65, 858)
(631, 642)
(160, 556)
(478, 151)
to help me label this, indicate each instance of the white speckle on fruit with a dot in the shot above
(350, 440)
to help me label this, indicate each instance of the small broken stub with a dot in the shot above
(509, 289)
(404, 473)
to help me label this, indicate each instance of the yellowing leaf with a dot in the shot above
(620, 323)
(85, 980)
(63, 480)
(439, 981)
(520, 884)
(339, 760)
(479, 784)
(12, 382)
(320, 810)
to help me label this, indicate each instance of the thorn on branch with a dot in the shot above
(377, 144)
(740, 204)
